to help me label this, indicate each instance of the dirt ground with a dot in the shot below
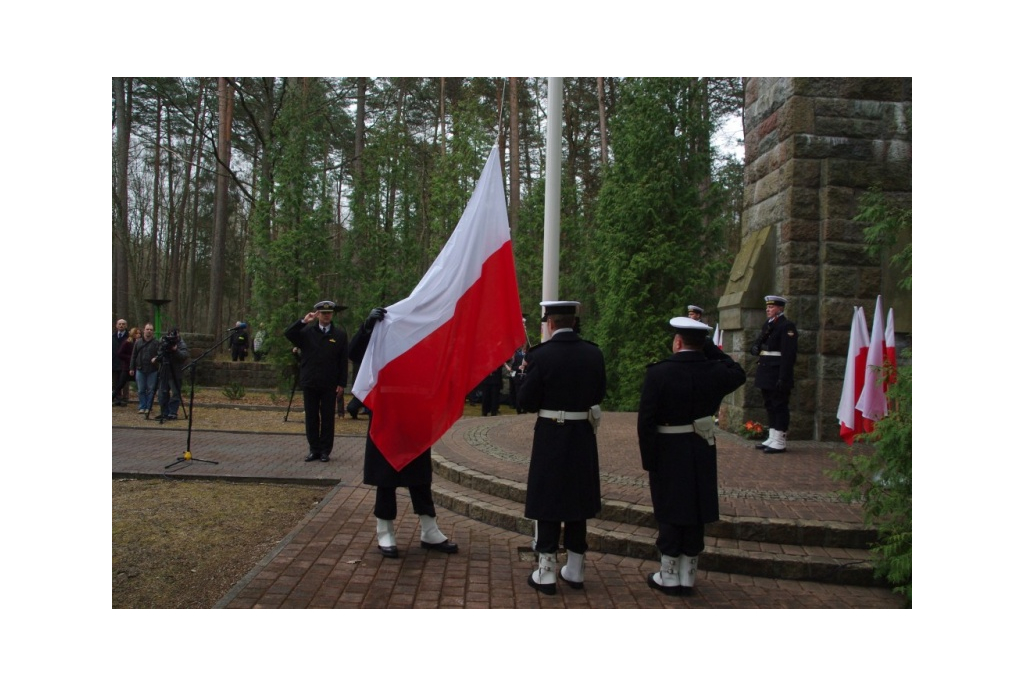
(184, 544)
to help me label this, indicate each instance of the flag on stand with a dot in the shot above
(717, 337)
(462, 321)
(890, 350)
(872, 402)
(851, 421)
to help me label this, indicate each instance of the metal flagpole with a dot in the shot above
(552, 194)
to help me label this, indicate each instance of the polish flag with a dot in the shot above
(851, 421)
(890, 350)
(872, 402)
(717, 337)
(461, 322)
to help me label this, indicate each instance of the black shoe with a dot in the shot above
(669, 590)
(546, 588)
(324, 457)
(575, 585)
(389, 552)
(448, 547)
(171, 417)
(354, 415)
(760, 446)
(312, 456)
(774, 450)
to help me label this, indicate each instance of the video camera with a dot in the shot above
(168, 343)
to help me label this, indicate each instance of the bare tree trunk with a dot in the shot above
(444, 136)
(225, 99)
(122, 116)
(602, 118)
(154, 266)
(513, 156)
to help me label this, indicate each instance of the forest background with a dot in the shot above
(252, 198)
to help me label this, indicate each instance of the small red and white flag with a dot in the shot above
(872, 402)
(461, 322)
(890, 349)
(851, 421)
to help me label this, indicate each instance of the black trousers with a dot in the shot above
(318, 404)
(386, 504)
(575, 536)
(674, 540)
(776, 403)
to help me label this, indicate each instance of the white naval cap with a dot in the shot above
(685, 323)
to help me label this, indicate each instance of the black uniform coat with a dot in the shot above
(683, 467)
(565, 373)
(376, 469)
(775, 371)
(324, 360)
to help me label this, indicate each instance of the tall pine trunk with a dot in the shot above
(225, 102)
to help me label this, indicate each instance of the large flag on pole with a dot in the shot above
(460, 323)
(872, 401)
(851, 421)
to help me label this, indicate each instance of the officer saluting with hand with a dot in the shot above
(775, 349)
(676, 430)
(323, 373)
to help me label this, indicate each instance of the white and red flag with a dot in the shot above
(872, 402)
(851, 421)
(461, 322)
(717, 337)
(890, 349)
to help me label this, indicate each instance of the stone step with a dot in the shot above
(761, 530)
(726, 555)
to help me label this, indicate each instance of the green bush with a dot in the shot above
(234, 391)
(882, 481)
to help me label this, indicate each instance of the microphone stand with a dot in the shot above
(191, 400)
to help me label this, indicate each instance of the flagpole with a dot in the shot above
(552, 193)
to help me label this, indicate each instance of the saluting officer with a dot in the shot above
(775, 349)
(676, 430)
(323, 373)
(564, 379)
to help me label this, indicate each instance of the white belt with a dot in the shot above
(688, 428)
(563, 416)
(765, 353)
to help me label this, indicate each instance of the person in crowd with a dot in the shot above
(239, 342)
(172, 353)
(323, 373)
(676, 430)
(514, 367)
(143, 367)
(417, 475)
(124, 354)
(120, 333)
(563, 381)
(775, 349)
(259, 344)
(491, 387)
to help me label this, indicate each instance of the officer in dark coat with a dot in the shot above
(775, 349)
(323, 373)
(564, 378)
(417, 475)
(675, 426)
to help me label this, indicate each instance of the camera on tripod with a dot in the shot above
(168, 343)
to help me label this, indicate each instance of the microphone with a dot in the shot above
(236, 328)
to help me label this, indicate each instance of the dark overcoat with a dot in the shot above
(377, 470)
(324, 360)
(775, 371)
(683, 467)
(565, 373)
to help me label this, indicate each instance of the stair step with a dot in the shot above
(754, 529)
(755, 558)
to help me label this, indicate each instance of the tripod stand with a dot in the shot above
(188, 458)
